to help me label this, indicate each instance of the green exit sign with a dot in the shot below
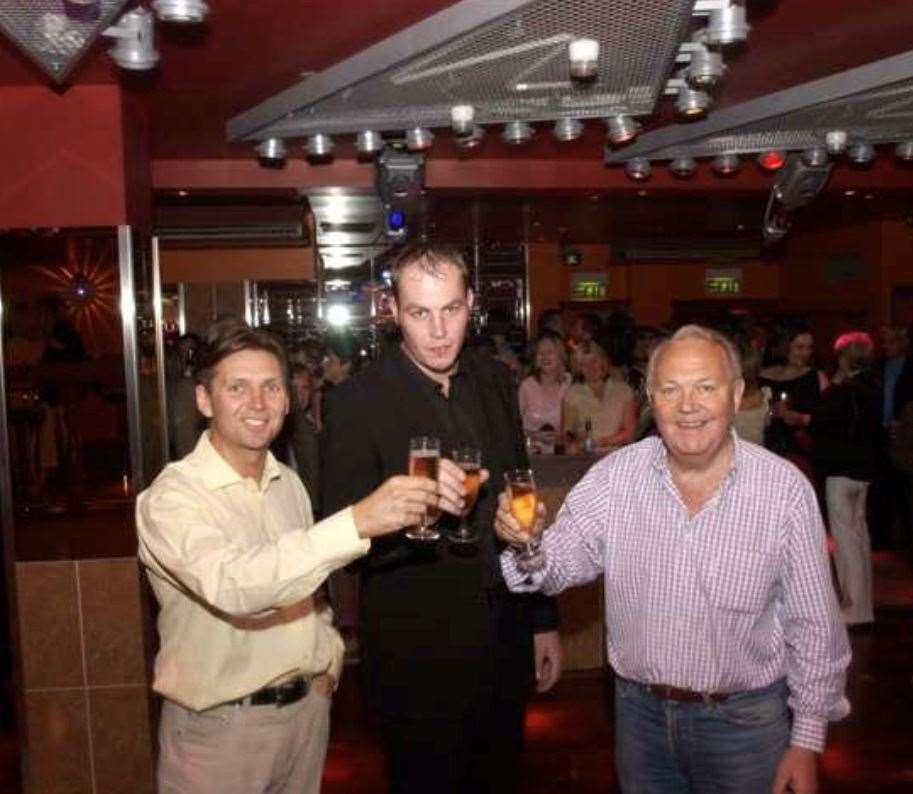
(589, 286)
(723, 280)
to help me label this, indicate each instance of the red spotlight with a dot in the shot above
(772, 160)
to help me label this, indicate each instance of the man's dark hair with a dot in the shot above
(430, 258)
(230, 338)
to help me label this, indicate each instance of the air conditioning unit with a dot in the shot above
(280, 232)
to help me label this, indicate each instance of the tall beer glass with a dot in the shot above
(424, 454)
(521, 491)
(469, 459)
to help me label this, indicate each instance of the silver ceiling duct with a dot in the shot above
(508, 59)
(55, 34)
(869, 104)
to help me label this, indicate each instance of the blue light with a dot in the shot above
(396, 220)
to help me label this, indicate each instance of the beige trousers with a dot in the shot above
(244, 749)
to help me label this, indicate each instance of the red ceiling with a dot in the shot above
(251, 50)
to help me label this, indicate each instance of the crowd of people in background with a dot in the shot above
(581, 389)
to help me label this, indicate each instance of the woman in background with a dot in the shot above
(753, 416)
(541, 395)
(600, 412)
(845, 426)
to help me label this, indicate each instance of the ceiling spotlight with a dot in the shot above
(772, 160)
(692, 103)
(726, 164)
(583, 55)
(816, 156)
(621, 129)
(419, 139)
(638, 169)
(683, 167)
(462, 118)
(472, 139)
(135, 45)
(272, 149)
(567, 129)
(517, 132)
(835, 141)
(182, 11)
(861, 153)
(319, 146)
(727, 26)
(904, 151)
(368, 143)
(705, 69)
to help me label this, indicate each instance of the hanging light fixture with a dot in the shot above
(904, 151)
(273, 149)
(860, 153)
(319, 146)
(462, 118)
(134, 48)
(181, 11)
(621, 129)
(472, 139)
(772, 160)
(567, 129)
(815, 156)
(691, 102)
(835, 142)
(517, 132)
(727, 25)
(683, 167)
(705, 69)
(368, 143)
(726, 164)
(419, 139)
(583, 55)
(638, 169)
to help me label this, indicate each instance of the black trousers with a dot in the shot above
(480, 752)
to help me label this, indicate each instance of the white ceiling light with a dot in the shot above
(705, 69)
(419, 139)
(272, 149)
(638, 169)
(836, 141)
(816, 156)
(861, 153)
(517, 132)
(182, 11)
(462, 118)
(904, 151)
(368, 142)
(134, 48)
(472, 139)
(338, 315)
(727, 25)
(726, 164)
(691, 103)
(567, 129)
(621, 129)
(683, 167)
(583, 55)
(319, 146)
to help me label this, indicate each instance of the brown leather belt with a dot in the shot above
(666, 692)
(283, 694)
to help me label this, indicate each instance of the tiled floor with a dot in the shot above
(570, 731)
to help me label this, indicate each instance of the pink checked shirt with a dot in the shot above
(733, 598)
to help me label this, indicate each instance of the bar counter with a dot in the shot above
(581, 609)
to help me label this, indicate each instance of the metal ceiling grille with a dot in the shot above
(53, 33)
(872, 103)
(506, 58)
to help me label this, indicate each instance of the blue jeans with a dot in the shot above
(728, 747)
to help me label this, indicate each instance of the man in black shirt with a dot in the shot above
(449, 655)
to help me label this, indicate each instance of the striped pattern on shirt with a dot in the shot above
(729, 599)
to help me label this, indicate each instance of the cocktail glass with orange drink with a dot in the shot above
(524, 506)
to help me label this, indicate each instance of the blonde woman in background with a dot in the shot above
(607, 405)
(753, 415)
(541, 394)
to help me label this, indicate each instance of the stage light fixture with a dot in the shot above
(683, 167)
(727, 25)
(319, 146)
(368, 143)
(815, 156)
(860, 153)
(472, 139)
(726, 164)
(705, 69)
(272, 149)
(638, 169)
(134, 48)
(835, 142)
(419, 139)
(691, 102)
(621, 129)
(904, 151)
(583, 55)
(517, 132)
(462, 118)
(181, 11)
(772, 160)
(567, 129)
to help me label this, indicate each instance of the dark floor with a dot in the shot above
(570, 731)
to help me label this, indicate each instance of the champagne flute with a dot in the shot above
(469, 459)
(524, 502)
(424, 454)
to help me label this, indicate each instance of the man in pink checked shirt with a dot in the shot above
(722, 625)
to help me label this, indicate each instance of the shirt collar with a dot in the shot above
(218, 473)
(660, 459)
(424, 381)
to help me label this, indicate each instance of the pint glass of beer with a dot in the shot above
(424, 454)
(521, 491)
(469, 459)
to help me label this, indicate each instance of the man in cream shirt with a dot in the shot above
(248, 656)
